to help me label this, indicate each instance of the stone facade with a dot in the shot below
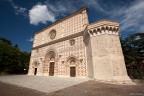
(72, 47)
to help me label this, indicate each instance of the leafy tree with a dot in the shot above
(133, 48)
(3, 40)
(16, 45)
(12, 59)
(4, 55)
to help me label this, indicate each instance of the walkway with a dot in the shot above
(42, 83)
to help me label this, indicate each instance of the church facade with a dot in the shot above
(74, 48)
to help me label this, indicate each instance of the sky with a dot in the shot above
(20, 19)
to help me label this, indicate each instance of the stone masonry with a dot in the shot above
(74, 48)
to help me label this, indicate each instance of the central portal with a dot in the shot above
(51, 69)
(50, 63)
(72, 71)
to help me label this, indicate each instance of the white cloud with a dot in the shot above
(49, 11)
(18, 9)
(60, 8)
(133, 16)
(70, 6)
(40, 14)
(130, 17)
(30, 39)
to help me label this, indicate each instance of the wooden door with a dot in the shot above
(51, 69)
(72, 71)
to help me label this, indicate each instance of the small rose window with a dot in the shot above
(52, 34)
(72, 42)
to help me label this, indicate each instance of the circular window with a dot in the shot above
(52, 34)
(72, 42)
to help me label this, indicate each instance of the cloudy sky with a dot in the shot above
(20, 19)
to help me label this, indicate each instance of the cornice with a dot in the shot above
(59, 40)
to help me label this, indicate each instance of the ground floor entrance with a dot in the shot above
(72, 71)
(51, 69)
(35, 71)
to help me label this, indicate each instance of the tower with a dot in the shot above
(104, 53)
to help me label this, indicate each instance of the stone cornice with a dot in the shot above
(103, 27)
(103, 23)
(59, 40)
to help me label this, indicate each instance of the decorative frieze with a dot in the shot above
(103, 30)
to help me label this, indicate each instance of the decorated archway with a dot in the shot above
(72, 66)
(50, 63)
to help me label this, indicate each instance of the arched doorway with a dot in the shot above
(51, 66)
(50, 63)
(35, 67)
(72, 71)
(72, 67)
(35, 71)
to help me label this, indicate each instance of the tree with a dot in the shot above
(12, 59)
(4, 55)
(133, 48)
(3, 40)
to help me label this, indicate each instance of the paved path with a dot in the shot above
(42, 83)
(23, 85)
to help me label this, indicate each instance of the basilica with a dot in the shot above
(71, 47)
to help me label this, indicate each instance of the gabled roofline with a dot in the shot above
(64, 18)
